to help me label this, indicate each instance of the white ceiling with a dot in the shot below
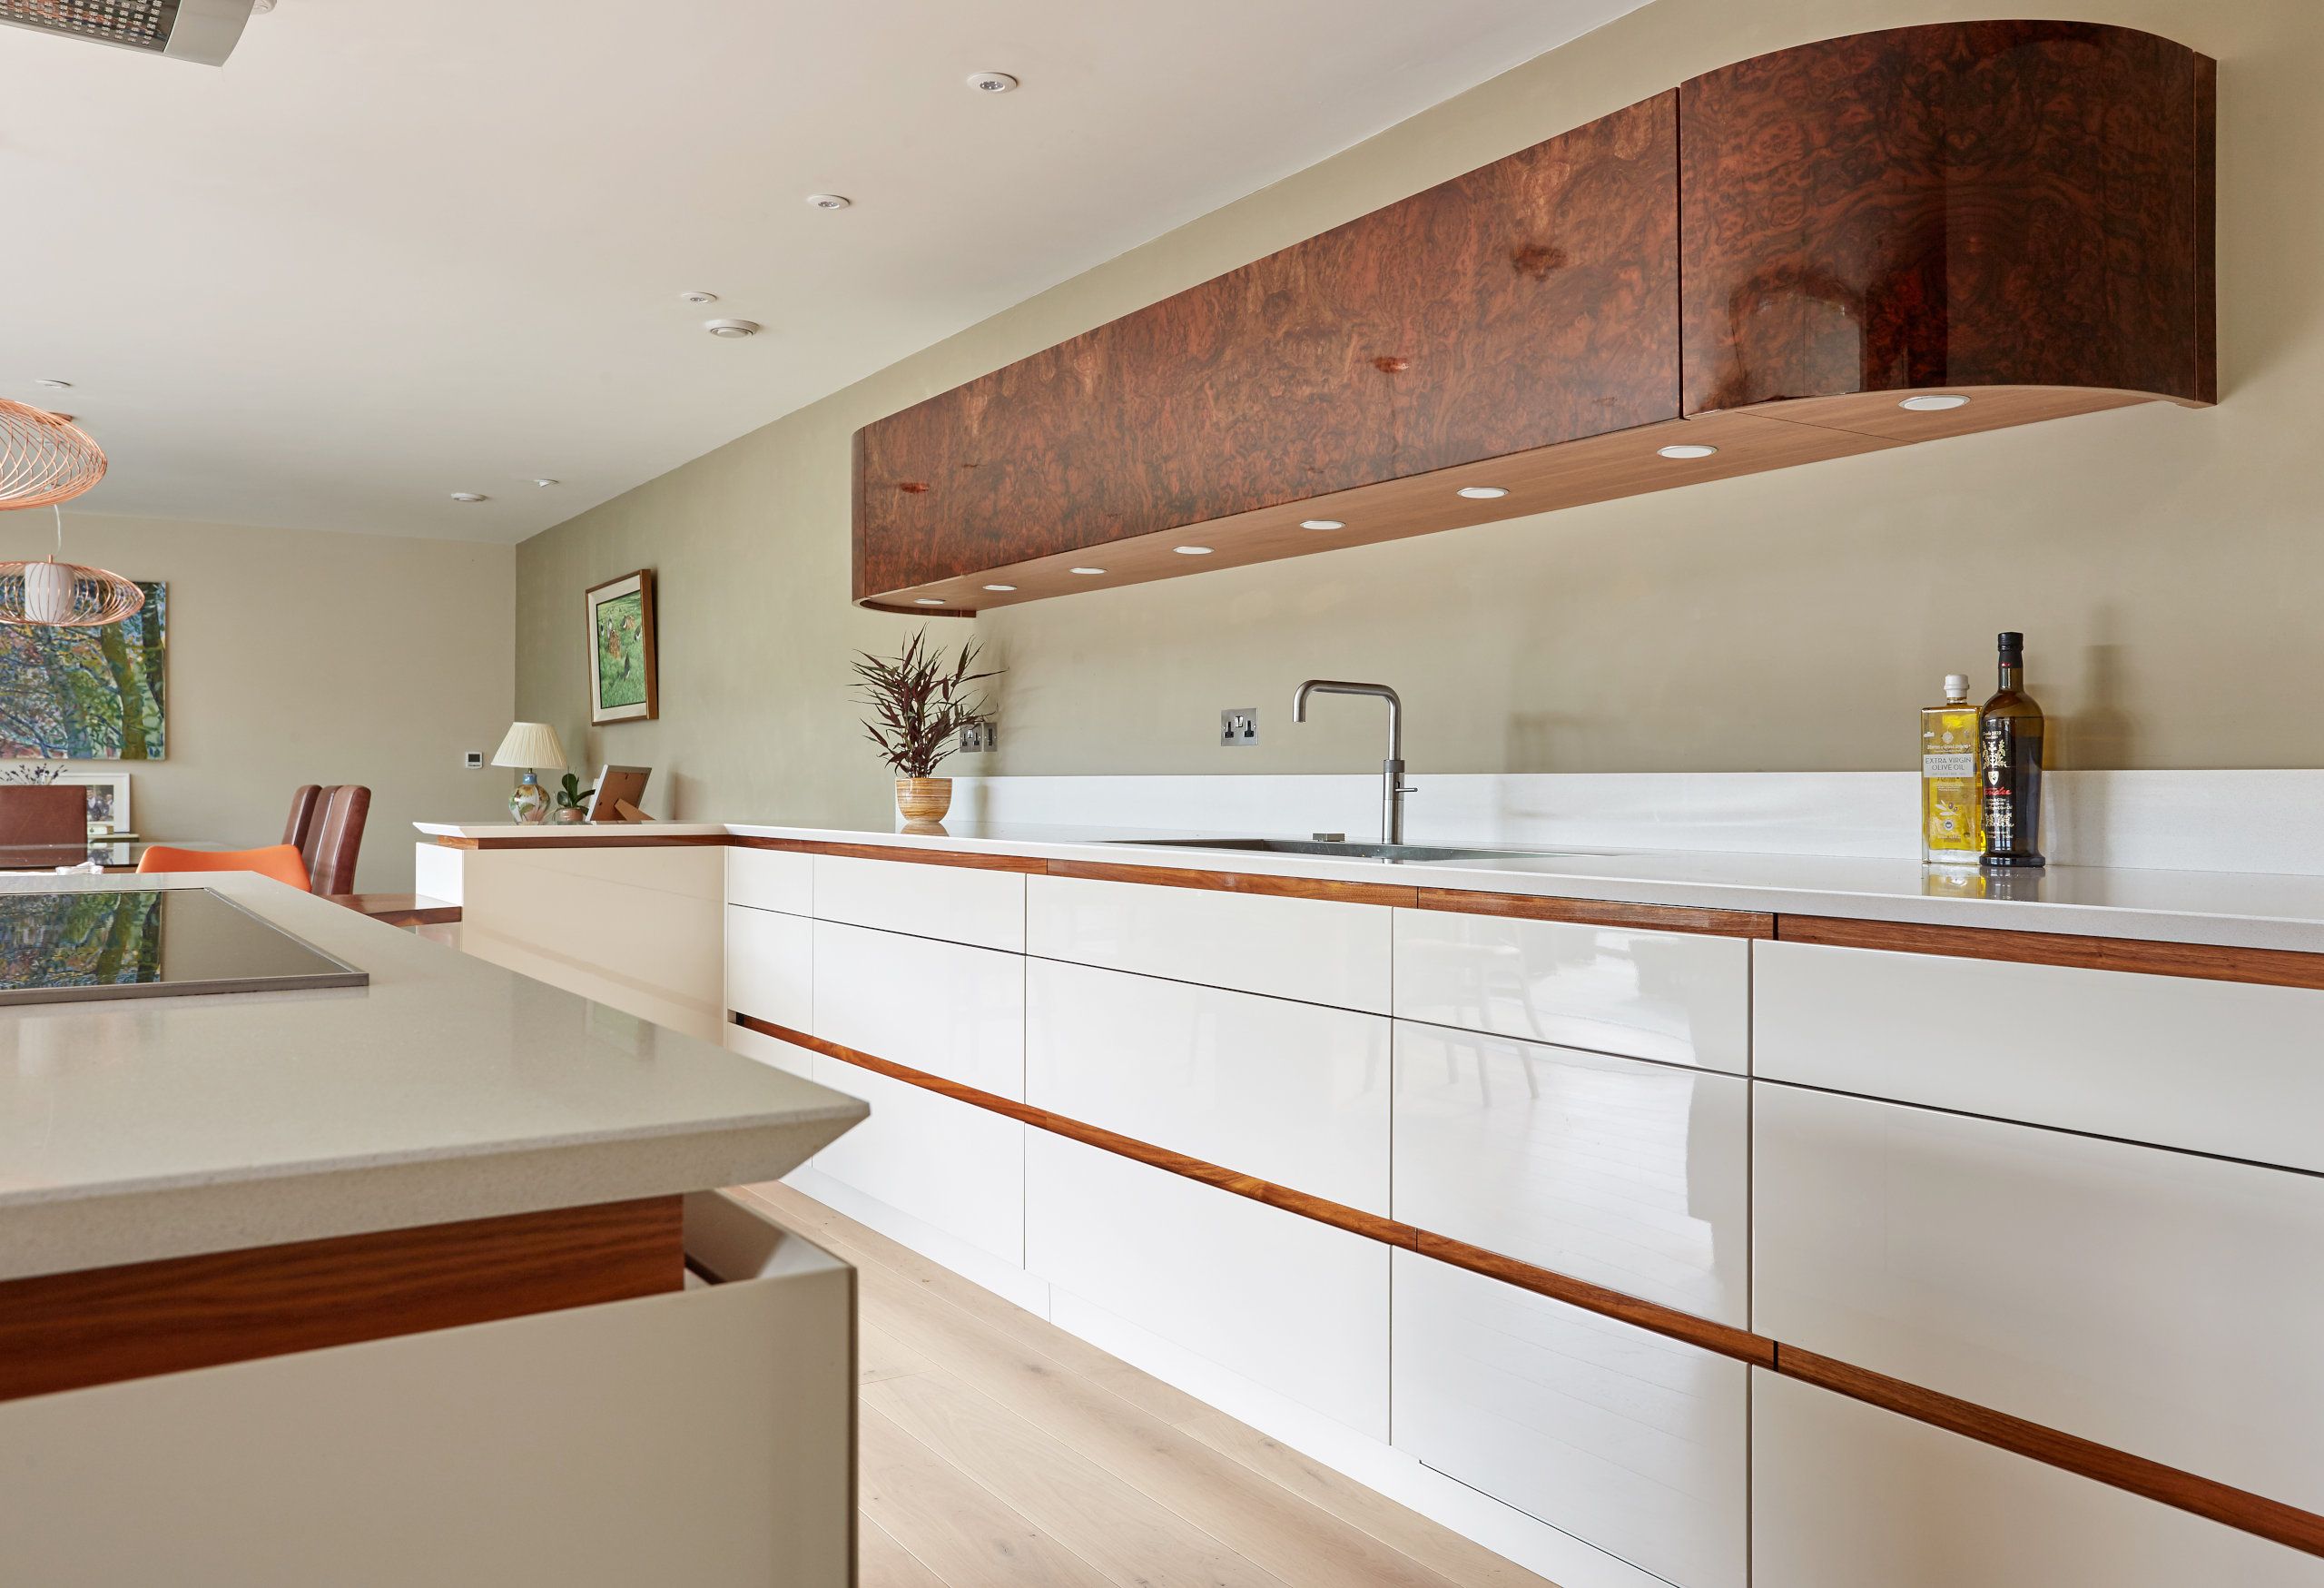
(396, 249)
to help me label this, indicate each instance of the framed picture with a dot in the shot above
(88, 693)
(108, 799)
(621, 684)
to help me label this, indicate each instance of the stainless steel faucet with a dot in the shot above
(1393, 788)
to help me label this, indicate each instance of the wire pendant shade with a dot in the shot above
(44, 460)
(65, 594)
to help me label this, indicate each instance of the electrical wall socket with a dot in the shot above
(1239, 725)
(980, 737)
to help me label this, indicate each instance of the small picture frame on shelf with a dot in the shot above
(623, 682)
(108, 794)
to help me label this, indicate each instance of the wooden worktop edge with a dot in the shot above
(2201, 961)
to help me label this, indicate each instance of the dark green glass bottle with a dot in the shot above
(2009, 765)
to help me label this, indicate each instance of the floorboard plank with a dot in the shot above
(953, 1524)
(882, 1562)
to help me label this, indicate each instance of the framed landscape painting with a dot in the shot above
(623, 686)
(88, 693)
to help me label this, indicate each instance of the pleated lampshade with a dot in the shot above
(531, 745)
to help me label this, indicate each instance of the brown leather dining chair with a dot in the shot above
(335, 837)
(305, 802)
(43, 825)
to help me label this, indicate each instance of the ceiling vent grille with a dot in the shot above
(187, 30)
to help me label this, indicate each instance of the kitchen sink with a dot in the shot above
(1411, 853)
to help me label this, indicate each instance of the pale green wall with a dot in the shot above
(2166, 564)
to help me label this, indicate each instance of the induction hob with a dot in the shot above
(149, 942)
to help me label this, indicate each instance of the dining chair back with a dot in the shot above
(279, 861)
(43, 825)
(304, 801)
(338, 838)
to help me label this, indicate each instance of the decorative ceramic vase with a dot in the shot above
(923, 799)
(529, 803)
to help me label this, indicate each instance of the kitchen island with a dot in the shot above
(1685, 1218)
(397, 1275)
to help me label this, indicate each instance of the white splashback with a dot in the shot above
(2233, 821)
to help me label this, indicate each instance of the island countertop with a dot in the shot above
(449, 1088)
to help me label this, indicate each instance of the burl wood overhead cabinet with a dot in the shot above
(1757, 269)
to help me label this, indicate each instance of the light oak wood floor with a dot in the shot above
(1001, 1452)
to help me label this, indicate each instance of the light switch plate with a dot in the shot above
(1239, 725)
(473, 761)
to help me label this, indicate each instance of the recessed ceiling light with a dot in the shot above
(1686, 450)
(1482, 493)
(1001, 587)
(1192, 550)
(830, 200)
(545, 484)
(1321, 524)
(1934, 403)
(991, 82)
(469, 496)
(922, 601)
(732, 330)
(56, 385)
(698, 297)
(1085, 570)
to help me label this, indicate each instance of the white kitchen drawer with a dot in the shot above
(767, 1049)
(2159, 1302)
(1291, 1092)
(1845, 1495)
(948, 1164)
(943, 1007)
(961, 904)
(771, 879)
(1630, 1175)
(1295, 1306)
(701, 1435)
(1680, 998)
(2224, 1067)
(1317, 950)
(769, 966)
(1632, 1443)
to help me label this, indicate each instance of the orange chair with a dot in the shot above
(279, 861)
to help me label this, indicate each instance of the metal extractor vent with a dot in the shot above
(185, 30)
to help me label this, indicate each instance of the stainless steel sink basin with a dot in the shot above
(1416, 852)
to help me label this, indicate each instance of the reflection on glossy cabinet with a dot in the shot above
(958, 903)
(1632, 1443)
(1843, 1495)
(767, 1049)
(1290, 1092)
(1322, 950)
(770, 879)
(2159, 1302)
(1679, 998)
(1290, 1304)
(1630, 1175)
(954, 1166)
(943, 1007)
(769, 966)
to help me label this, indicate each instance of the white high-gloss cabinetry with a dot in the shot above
(1317, 950)
(2162, 1302)
(1846, 1496)
(769, 960)
(1675, 996)
(1631, 1174)
(767, 1049)
(771, 879)
(2221, 1067)
(1291, 1092)
(1633, 1443)
(943, 1007)
(961, 903)
(1295, 1306)
(952, 1165)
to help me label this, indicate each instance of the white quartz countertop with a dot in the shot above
(447, 1089)
(2235, 909)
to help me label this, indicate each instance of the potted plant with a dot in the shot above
(920, 703)
(572, 799)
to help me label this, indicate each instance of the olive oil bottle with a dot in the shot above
(1952, 830)
(2009, 764)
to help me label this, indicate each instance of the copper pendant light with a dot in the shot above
(46, 459)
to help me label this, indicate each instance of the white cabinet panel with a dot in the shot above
(2224, 1067)
(1293, 1305)
(767, 1049)
(1843, 1496)
(769, 966)
(2159, 1302)
(771, 879)
(1632, 1443)
(952, 1164)
(961, 903)
(1317, 950)
(943, 1007)
(1680, 998)
(1291, 1092)
(1631, 1174)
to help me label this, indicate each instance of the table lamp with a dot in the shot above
(529, 746)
